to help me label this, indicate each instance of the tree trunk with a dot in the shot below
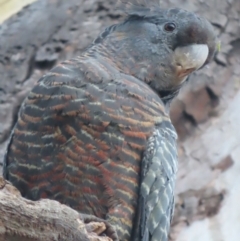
(206, 113)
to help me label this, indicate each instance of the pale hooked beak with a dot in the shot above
(190, 58)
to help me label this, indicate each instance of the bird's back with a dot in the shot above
(80, 137)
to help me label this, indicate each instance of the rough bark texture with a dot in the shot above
(206, 113)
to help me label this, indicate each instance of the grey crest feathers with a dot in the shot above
(141, 8)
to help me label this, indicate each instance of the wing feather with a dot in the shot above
(156, 198)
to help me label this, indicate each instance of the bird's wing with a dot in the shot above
(60, 104)
(156, 198)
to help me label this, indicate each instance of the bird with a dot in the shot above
(94, 132)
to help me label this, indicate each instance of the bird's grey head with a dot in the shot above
(159, 46)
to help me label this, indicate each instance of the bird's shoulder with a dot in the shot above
(86, 85)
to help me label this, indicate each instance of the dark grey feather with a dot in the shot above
(156, 196)
(139, 8)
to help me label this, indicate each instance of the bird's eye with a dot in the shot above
(170, 27)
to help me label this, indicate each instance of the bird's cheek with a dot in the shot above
(182, 73)
(177, 74)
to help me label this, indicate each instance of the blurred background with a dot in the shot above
(10, 7)
(206, 114)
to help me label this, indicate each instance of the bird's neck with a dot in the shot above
(168, 95)
(131, 62)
